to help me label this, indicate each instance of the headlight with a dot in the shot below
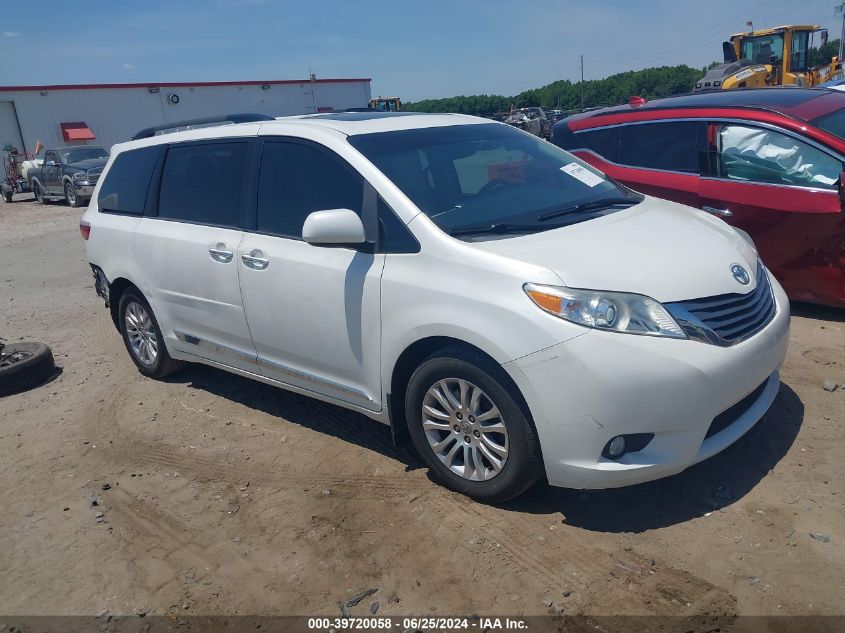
(80, 175)
(614, 311)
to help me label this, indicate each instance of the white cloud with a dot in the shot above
(10, 33)
(128, 66)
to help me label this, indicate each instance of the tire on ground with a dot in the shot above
(523, 467)
(38, 192)
(35, 366)
(71, 195)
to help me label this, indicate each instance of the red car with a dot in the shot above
(768, 161)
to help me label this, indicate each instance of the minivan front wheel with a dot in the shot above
(142, 336)
(469, 429)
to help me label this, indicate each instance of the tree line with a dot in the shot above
(650, 83)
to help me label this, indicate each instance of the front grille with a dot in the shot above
(731, 415)
(727, 319)
(93, 175)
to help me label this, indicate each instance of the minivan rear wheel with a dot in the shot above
(142, 336)
(469, 428)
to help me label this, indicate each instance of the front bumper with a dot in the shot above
(585, 391)
(84, 189)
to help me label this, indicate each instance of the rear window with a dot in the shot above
(201, 183)
(604, 142)
(124, 189)
(669, 146)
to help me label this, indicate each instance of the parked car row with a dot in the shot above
(503, 304)
(532, 120)
(768, 161)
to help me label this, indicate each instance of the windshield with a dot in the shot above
(833, 122)
(474, 175)
(78, 154)
(761, 48)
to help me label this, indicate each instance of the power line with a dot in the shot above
(841, 9)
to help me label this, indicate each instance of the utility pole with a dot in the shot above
(582, 68)
(841, 9)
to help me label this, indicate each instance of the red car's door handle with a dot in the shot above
(721, 213)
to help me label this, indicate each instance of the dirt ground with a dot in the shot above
(231, 497)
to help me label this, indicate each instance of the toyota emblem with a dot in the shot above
(740, 274)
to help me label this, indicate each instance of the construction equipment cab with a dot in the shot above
(386, 104)
(769, 57)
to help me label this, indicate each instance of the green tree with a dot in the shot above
(649, 83)
(818, 56)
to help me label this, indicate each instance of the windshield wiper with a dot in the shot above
(594, 205)
(497, 228)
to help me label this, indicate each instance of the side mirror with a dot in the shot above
(335, 226)
(840, 187)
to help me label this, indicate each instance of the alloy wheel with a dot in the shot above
(465, 429)
(141, 333)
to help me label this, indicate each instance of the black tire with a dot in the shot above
(71, 195)
(24, 365)
(7, 196)
(162, 365)
(38, 192)
(523, 466)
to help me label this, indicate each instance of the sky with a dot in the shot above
(415, 50)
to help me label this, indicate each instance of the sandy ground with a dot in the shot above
(231, 497)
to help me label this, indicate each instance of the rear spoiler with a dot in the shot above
(227, 119)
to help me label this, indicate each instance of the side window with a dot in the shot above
(766, 156)
(297, 179)
(51, 157)
(604, 142)
(393, 235)
(669, 146)
(200, 183)
(124, 189)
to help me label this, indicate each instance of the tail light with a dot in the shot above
(84, 229)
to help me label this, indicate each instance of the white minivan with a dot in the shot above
(507, 307)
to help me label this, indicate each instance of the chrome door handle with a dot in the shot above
(721, 213)
(255, 260)
(220, 253)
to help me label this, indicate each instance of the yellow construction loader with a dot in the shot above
(770, 57)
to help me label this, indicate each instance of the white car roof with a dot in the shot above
(346, 123)
(352, 123)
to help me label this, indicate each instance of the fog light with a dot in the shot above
(616, 447)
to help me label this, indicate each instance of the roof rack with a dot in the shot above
(227, 119)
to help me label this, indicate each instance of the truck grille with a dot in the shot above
(94, 174)
(727, 319)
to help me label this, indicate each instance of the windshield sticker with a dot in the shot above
(584, 175)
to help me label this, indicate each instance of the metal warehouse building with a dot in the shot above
(106, 114)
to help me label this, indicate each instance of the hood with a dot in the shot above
(661, 249)
(88, 164)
